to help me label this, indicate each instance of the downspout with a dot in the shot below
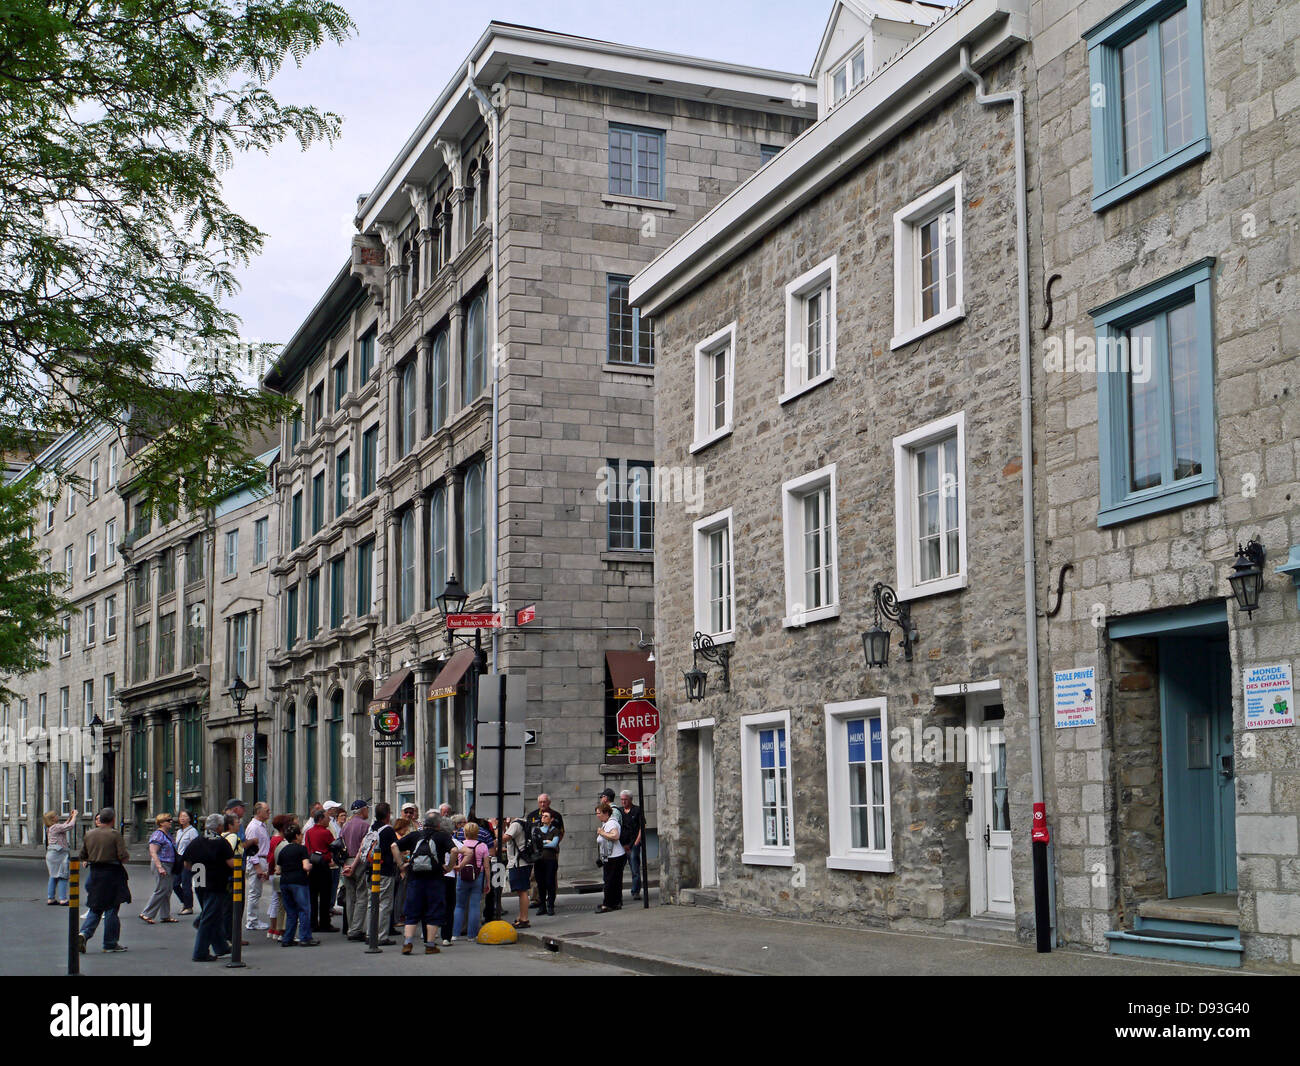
(1044, 878)
(493, 118)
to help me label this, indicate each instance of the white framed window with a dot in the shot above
(930, 507)
(810, 329)
(92, 556)
(87, 701)
(49, 513)
(928, 275)
(110, 616)
(72, 501)
(110, 543)
(259, 541)
(232, 553)
(715, 373)
(857, 786)
(87, 786)
(65, 703)
(94, 478)
(65, 646)
(67, 563)
(90, 624)
(715, 594)
(22, 790)
(848, 75)
(765, 789)
(110, 697)
(808, 506)
(112, 466)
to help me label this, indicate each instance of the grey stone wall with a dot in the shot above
(974, 634)
(1239, 205)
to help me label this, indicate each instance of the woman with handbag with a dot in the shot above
(162, 858)
(275, 909)
(471, 861)
(56, 857)
(613, 857)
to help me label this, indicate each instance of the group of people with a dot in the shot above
(435, 870)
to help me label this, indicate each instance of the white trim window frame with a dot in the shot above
(110, 543)
(851, 71)
(937, 215)
(714, 394)
(811, 496)
(810, 312)
(862, 752)
(715, 577)
(768, 838)
(909, 448)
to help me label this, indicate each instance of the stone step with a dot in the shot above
(1179, 942)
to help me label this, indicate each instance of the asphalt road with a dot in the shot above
(35, 944)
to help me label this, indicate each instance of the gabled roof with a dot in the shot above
(907, 12)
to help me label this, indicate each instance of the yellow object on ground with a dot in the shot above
(497, 933)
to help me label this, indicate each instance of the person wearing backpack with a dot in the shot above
(471, 861)
(519, 866)
(424, 892)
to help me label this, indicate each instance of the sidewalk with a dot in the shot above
(684, 940)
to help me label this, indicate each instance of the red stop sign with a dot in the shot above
(638, 721)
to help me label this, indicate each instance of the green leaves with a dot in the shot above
(117, 249)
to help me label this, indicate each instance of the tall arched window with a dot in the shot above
(437, 543)
(475, 340)
(406, 561)
(408, 282)
(475, 529)
(406, 430)
(310, 738)
(335, 741)
(440, 374)
(446, 233)
(436, 259)
(413, 270)
(290, 750)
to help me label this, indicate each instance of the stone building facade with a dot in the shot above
(1161, 206)
(1186, 243)
(487, 299)
(51, 765)
(840, 365)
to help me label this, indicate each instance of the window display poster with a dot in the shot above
(1074, 697)
(1270, 699)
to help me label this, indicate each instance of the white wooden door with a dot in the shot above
(996, 835)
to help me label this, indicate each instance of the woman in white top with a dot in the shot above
(185, 883)
(613, 857)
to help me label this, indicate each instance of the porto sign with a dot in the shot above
(388, 724)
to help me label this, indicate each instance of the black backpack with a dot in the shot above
(527, 851)
(426, 861)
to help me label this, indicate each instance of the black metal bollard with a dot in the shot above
(372, 934)
(74, 908)
(237, 916)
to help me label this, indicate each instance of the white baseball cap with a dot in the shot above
(330, 805)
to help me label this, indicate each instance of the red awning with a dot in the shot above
(394, 682)
(448, 679)
(626, 667)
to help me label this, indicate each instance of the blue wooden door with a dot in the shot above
(1196, 736)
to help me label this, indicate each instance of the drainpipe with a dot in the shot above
(493, 118)
(1044, 909)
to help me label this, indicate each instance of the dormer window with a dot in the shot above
(848, 75)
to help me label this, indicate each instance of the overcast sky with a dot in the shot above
(388, 75)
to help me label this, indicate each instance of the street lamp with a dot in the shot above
(452, 600)
(1247, 577)
(696, 679)
(238, 694)
(875, 641)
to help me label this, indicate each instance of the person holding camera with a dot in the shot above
(518, 846)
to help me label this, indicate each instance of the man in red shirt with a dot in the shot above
(317, 841)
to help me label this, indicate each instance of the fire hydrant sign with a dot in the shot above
(1270, 699)
(1074, 697)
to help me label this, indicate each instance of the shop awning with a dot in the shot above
(625, 667)
(395, 681)
(448, 679)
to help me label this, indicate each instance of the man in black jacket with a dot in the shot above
(631, 836)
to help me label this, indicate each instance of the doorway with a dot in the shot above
(708, 835)
(988, 829)
(1197, 755)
